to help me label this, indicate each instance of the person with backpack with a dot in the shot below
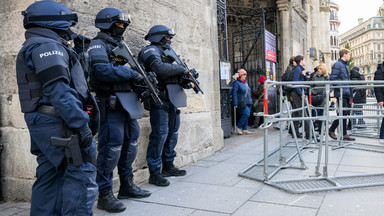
(54, 98)
(318, 94)
(379, 91)
(359, 96)
(288, 77)
(340, 73)
(296, 94)
(241, 96)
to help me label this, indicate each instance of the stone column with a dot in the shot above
(284, 30)
(326, 46)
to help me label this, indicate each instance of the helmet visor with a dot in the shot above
(124, 17)
(171, 32)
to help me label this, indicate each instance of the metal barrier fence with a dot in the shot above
(279, 158)
(366, 127)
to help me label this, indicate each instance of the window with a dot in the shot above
(331, 41)
(332, 55)
(379, 58)
(378, 47)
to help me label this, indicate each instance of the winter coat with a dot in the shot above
(359, 95)
(340, 73)
(257, 94)
(379, 75)
(298, 76)
(241, 91)
(318, 94)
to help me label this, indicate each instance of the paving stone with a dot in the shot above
(267, 209)
(362, 161)
(245, 158)
(249, 183)
(367, 201)
(220, 156)
(220, 174)
(11, 211)
(272, 195)
(204, 163)
(355, 152)
(135, 208)
(202, 196)
(206, 213)
(360, 169)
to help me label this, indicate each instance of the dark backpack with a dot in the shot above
(287, 77)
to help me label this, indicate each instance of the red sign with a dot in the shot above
(271, 55)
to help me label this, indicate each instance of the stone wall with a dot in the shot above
(194, 22)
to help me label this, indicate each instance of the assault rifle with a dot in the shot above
(192, 78)
(123, 51)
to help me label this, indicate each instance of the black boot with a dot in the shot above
(128, 189)
(158, 180)
(108, 202)
(171, 170)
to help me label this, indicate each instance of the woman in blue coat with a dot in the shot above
(241, 96)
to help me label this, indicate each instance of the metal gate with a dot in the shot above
(247, 50)
(225, 102)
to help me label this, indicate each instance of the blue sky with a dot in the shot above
(351, 10)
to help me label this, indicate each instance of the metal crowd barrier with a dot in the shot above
(273, 161)
(369, 128)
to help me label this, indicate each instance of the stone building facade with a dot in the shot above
(334, 24)
(203, 39)
(194, 22)
(304, 30)
(366, 41)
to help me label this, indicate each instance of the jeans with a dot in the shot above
(335, 123)
(245, 113)
(297, 103)
(318, 112)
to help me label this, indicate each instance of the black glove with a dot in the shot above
(85, 136)
(138, 78)
(81, 42)
(185, 73)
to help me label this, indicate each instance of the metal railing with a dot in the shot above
(272, 162)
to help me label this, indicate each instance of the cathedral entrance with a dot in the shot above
(247, 39)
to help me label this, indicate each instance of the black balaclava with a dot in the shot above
(116, 31)
(165, 43)
(65, 34)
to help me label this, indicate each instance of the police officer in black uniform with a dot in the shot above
(165, 119)
(54, 98)
(120, 107)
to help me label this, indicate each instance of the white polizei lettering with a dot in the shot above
(49, 53)
(153, 49)
(94, 47)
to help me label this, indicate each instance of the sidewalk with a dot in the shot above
(212, 186)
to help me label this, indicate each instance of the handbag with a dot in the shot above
(242, 103)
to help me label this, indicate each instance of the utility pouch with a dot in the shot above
(112, 102)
